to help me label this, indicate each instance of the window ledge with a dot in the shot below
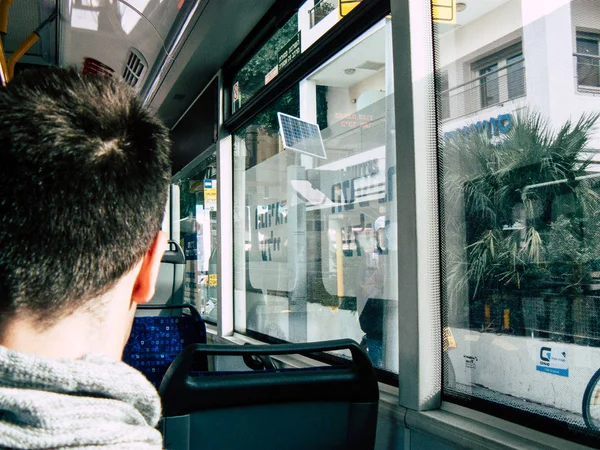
(468, 428)
(588, 90)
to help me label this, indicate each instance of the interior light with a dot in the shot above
(349, 71)
(461, 6)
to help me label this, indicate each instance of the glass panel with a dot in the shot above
(489, 86)
(198, 235)
(264, 64)
(444, 95)
(588, 68)
(515, 76)
(521, 199)
(313, 19)
(315, 238)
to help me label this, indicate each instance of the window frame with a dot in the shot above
(592, 37)
(364, 16)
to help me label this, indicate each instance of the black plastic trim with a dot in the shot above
(383, 376)
(363, 17)
(275, 18)
(189, 306)
(183, 393)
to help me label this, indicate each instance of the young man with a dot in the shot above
(84, 174)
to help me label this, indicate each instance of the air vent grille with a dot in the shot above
(371, 65)
(134, 69)
(92, 66)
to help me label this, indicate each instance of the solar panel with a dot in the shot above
(301, 136)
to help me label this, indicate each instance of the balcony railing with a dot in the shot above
(320, 11)
(588, 72)
(493, 88)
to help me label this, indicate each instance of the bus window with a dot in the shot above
(316, 256)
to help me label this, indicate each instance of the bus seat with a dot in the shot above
(333, 407)
(169, 285)
(156, 340)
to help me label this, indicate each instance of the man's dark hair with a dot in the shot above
(84, 175)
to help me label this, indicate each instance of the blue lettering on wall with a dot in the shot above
(494, 126)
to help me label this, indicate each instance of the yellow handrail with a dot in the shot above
(18, 53)
(7, 69)
(4, 4)
(3, 66)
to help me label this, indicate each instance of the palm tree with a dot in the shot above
(504, 193)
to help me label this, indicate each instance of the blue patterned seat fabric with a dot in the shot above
(156, 341)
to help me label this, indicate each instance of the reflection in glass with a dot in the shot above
(520, 183)
(315, 238)
(198, 235)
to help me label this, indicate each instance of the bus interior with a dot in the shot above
(362, 213)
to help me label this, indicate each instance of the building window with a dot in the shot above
(495, 79)
(489, 85)
(588, 60)
(321, 10)
(515, 70)
(500, 77)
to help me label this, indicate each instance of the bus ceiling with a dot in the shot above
(168, 50)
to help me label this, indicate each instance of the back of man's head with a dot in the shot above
(84, 174)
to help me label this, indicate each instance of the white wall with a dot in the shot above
(548, 42)
(339, 104)
(375, 82)
(309, 35)
(476, 35)
(507, 364)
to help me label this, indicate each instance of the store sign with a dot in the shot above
(289, 52)
(494, 126)
(194, 257)
(210, 195)
(552, 359)
(190, 246)
(271, 74)
(355, 120)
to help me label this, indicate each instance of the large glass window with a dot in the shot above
(197, 226)
(315, 254)
(521, 199)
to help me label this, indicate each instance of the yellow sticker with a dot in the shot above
(345, 6)
(443, 11)
(212, 279)
(449, 341)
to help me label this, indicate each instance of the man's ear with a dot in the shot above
(145, 283)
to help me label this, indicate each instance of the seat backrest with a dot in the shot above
(332, 407)
(156, 340)
(169, 285)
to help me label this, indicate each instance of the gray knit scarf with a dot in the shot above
(78, 404)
